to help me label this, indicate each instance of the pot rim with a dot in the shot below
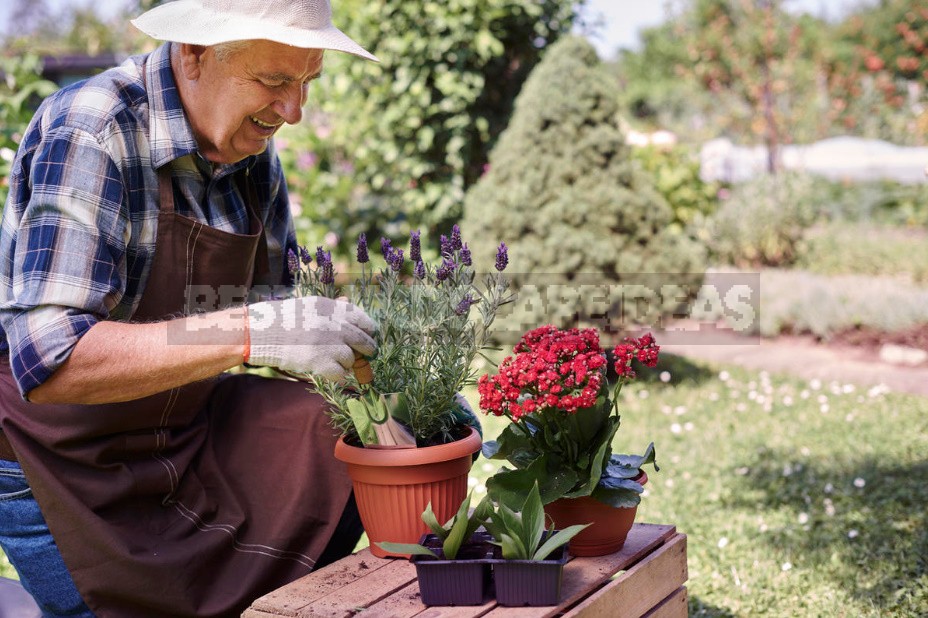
(408, 456)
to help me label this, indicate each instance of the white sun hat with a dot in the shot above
(300, 23)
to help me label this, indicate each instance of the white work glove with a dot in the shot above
(312, 334)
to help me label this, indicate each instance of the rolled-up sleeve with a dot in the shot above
(68, 249)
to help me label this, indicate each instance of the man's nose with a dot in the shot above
(290, 105)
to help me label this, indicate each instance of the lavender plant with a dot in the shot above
(431, 326)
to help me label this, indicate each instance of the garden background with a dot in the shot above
(799, 497)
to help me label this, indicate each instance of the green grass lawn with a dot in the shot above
(798, 498)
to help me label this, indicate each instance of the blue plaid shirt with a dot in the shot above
(79, 227)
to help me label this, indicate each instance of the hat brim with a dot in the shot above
(188, 22)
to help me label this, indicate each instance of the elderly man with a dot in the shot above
(136, 479)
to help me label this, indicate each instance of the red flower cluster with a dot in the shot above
(552, 368)
(644, 349)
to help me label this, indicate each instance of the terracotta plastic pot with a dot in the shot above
(609, 527)
(393, 486)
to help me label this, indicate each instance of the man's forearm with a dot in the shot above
(116, 361)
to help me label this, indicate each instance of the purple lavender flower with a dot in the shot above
(415, 247)
(419, 271)
(502, 257)
(464, 306)
(293, 263)
(465, 255)
(455, 241)
(444, 271)
(386, 247)
(320, 257)
(305, 256)
(363, 258)
(444, 246)
(327, 277)
(395, 260)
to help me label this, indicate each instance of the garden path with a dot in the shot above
(801, 356)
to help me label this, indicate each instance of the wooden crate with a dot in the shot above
(646, 578)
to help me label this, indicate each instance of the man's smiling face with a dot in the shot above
(236, 104)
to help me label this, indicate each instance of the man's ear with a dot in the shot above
(191, 60)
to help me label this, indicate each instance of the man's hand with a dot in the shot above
(312, 334)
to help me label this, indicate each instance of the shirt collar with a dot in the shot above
(170, 134)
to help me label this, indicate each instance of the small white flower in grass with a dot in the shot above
(741, 407)
(815, 384)
(331, 239)
(803, 518)
(787, 469)
(723, 542)
(688, 426)
(805, 451)
(829, 507)
(664, 376)
(643, 394)
(824, 408)
(724, 376)
(480, 489)
(752, 385)
(679, 410)
(676, 428)
(829, 488)
(645, 493)
(7, 154)
(762, 527)
(849, 417)
(761, 399)
(859, 483)
(666, 409)
(847, 389)
(823, 399)
(687, 476)
(852, 534)
(804, 394)
(787, 401)
(675, 459)
(752, 395)
(742, 471)
(668, 483)
(786, 566)
(472, 482)
(713, 396)
(488, 467)
(734, 394)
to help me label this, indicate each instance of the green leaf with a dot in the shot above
(562, 537)
(458, 533)
(428, 516)
(512, 548)
(407, 548)
(533, 520)
(620, 493)
(362, 421)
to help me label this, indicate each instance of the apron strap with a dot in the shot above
(165, 190)
(249, 191)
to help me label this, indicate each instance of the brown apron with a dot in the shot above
(193, 501)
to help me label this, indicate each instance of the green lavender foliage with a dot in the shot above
(426, 343)
(564, 192)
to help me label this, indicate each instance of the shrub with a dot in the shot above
(794, 301)
(844, 248)
(573, 206)
(675, 172)
(763, 221)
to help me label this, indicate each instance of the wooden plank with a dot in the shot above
(289, 599)
(584, 575)
(362, 592)
(639, 589)
(674, 606)
(407, 602)
(253, 613)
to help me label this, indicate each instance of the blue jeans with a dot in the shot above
(29, 546)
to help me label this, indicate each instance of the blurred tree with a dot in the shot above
(758, 54)
(417, 127)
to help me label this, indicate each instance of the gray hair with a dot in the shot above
(225, 51)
